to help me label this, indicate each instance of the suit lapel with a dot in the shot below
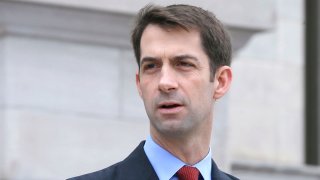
(216, 174)
(137, 166)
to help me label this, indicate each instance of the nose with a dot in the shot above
(168, 81)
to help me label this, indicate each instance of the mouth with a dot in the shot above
(170, 107)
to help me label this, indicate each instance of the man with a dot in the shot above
(184, 54)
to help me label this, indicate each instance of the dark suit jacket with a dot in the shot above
(138, 167)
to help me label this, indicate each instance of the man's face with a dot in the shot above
(174, 81)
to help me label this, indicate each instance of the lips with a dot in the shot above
(170, 107)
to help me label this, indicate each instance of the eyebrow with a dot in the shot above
(185, 56)
(148, 59)
(175, 58)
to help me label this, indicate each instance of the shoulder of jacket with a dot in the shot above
(227, 176)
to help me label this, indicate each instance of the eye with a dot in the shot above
(149, 66)
(184, 64)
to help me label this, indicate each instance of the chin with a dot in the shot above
(172, 129)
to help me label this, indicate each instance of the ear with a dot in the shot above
(222, 81)
(138, 83)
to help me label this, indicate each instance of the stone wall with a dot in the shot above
(2, 107)
(66, 104)
(266, 99)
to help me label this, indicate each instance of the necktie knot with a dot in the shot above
(188, 173)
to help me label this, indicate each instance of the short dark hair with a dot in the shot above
(214, 38)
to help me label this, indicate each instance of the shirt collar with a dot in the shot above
(204, 166)
(166, 165)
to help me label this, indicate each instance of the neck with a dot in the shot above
(190, 149)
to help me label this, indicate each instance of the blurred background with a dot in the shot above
(69, 106)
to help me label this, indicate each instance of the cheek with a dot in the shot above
(147, 92)
(202, 93)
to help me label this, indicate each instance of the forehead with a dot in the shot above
(161, 42)
(156, 32)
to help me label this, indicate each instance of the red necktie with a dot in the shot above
(188, 173)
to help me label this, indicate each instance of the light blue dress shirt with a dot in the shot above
(166, 165)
